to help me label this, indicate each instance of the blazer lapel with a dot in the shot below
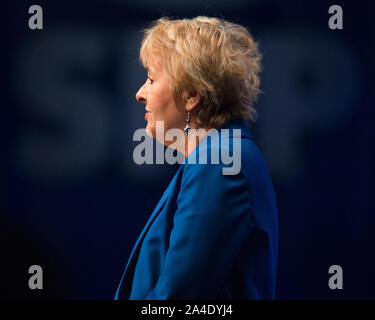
(128, 273)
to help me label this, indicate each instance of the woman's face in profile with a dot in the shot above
(156, 95)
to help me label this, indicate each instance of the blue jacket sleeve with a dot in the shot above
(210, 225)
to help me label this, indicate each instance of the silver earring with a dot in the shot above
(187, 127)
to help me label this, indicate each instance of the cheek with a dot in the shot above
(160, 99)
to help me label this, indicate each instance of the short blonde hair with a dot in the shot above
(214, 57)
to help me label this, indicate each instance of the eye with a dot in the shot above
(151, 80)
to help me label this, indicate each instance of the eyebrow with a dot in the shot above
(149, 69)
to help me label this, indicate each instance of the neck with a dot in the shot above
(191, 141)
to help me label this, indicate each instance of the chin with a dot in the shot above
(150, 131)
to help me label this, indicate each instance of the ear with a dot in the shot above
(193, 101)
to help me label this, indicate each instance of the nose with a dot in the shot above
(141, 95)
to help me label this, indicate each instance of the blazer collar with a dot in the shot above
(239, 123)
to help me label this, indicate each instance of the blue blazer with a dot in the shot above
(211, 236)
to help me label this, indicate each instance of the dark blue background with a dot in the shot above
(74, 202)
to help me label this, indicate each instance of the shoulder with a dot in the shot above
(205, 190)
(213, 176)
(225, 156)
(229, 163)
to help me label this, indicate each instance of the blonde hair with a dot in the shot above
(214, 57)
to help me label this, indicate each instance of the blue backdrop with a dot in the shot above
(72, 199)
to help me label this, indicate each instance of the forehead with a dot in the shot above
(154, 65)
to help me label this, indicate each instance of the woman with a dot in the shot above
(213, 235)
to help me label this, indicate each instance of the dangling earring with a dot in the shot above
(187, 127)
